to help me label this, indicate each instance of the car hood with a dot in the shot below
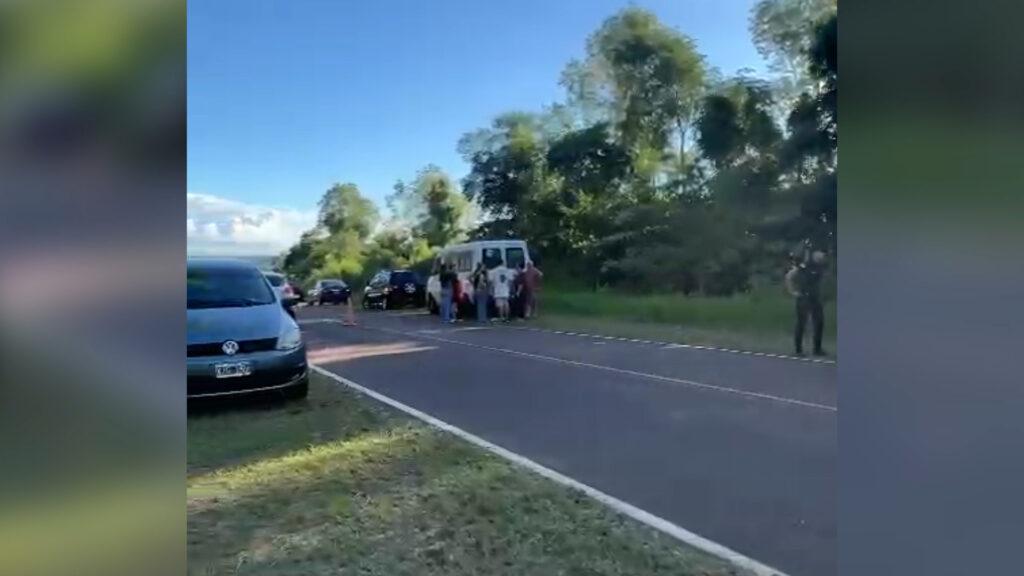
(207, 325)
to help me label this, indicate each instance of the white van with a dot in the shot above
(465, 257)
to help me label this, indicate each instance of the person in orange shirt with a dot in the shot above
(531, 285)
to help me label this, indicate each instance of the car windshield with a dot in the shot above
(226, 288)
(404, 277)
(333, 284)
(276, 280)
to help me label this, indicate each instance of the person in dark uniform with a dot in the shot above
(803, 281)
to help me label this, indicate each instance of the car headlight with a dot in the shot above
(290, 339)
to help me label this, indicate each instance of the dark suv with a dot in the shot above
(394, 289)
(329, 292)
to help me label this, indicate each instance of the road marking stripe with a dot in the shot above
(685, 382)
(620, 506)
(315, 321)
(672, 345)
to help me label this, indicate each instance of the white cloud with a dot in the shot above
(222, 227)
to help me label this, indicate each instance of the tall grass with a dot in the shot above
(765, 310)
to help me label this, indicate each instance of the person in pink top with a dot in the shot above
(531, 285)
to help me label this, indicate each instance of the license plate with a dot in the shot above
(233, 369)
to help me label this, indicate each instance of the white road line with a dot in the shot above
(620, 506)
(673, 345)
(410, 313)
(660, 377)
(315, 321)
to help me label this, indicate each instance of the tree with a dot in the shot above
(344, 209)
(656, 77)
(736, 124)
(303, 257)
(507, 169)
(397, 248)
(719, 133)
(588, 92)
(783, 31)
(810, 151)
(432, 205)
(588, 168)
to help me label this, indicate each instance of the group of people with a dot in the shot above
(507, 288)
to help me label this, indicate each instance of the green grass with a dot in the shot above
(339, 485)
(760, 321)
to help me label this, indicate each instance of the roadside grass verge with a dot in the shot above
(761, 322)
(339, 484)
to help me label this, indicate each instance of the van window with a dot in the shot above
(491, 257)
(465, 261)
(515, 257)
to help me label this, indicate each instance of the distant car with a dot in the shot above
(329, 292)
(284, 290)
(240, 340)
(394, 289)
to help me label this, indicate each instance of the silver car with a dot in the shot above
(240, 338)
(284, 291)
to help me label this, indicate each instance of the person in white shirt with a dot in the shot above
(501, 288)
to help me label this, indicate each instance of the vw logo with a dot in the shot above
(230, 347)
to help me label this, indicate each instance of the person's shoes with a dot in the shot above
(820, 353)
(799, 354)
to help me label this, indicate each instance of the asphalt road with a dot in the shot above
(739, 449)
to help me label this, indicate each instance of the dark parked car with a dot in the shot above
(240, 340)
(330, 292)
(394, 289)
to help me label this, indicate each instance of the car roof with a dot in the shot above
(510, 242)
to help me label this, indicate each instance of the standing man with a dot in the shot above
(481, 292)
(501, 287)
(447, 280)
(803, 281)
(531, 285)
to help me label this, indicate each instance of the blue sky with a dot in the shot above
(288, 96)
